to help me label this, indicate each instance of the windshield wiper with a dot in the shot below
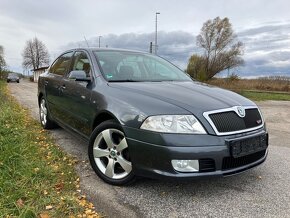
(126, 80)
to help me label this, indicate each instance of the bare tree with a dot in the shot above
(221, 49)
(2, 63)
(2, 60)
(35, 54)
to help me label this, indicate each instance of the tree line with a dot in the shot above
(219, 45)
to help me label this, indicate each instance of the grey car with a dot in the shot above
(142, 116)
(12, 77)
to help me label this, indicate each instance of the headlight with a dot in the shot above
(173, 124)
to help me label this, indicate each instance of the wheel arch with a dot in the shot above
(40, 95)
(102, 117)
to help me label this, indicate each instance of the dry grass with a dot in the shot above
(280, 84)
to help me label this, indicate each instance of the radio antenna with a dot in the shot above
(86, 42)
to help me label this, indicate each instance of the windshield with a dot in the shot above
(13, 75)
(124, 66)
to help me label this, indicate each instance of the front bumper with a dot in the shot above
(151, 154)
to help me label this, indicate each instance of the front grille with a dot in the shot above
(229, 121)
(231, 162)
(206, 165)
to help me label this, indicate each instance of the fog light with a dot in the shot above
(185, 165)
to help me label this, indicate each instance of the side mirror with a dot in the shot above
(79, 75)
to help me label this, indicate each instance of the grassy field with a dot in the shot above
(280, 84)
(37, 178)
(271, 88)
(264, 96)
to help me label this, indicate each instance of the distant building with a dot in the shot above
(37, 72)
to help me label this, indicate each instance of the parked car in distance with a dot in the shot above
(143, 116)
(12, 77)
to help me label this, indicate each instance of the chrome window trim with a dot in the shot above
(207, 113)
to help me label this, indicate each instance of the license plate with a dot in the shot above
(239, 148)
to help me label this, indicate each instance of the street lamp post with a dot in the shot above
(156, 45)
(100, 41)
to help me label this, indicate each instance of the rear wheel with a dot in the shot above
(109, 154)
(45, 119)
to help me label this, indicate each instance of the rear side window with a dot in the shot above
(62, 64)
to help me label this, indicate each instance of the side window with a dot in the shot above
(61, 65)
(81, 62)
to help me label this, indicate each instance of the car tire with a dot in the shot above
(109, 154)
(17, 81)
(44, 116)
(8, 81)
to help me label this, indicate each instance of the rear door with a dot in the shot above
(53, 84)
(77, 96)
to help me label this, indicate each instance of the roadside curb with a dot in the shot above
(103, 197)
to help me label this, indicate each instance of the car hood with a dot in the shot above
(193, 96)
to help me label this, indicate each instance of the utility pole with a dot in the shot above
(156, 45)
(150, 47)
(100, 41)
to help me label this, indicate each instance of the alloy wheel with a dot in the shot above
(110, 151)
(43, 112)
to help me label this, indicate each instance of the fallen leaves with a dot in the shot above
(89, 208)
(20, 202)
(48, 207)
(59, 186)
(73, 162)
(163, 193)
(44, 215)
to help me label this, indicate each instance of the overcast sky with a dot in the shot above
(264, 27)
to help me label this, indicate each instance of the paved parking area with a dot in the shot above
(261, 192)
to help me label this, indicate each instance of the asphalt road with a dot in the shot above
(260, 192)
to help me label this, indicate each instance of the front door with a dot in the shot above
(78, 96)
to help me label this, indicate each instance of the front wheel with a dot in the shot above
(109, 154)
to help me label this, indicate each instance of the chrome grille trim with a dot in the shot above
(207, 113)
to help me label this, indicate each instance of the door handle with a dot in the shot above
(62, 88)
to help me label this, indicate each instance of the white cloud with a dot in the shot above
(264, 26)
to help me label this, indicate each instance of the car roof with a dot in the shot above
(106, 49)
